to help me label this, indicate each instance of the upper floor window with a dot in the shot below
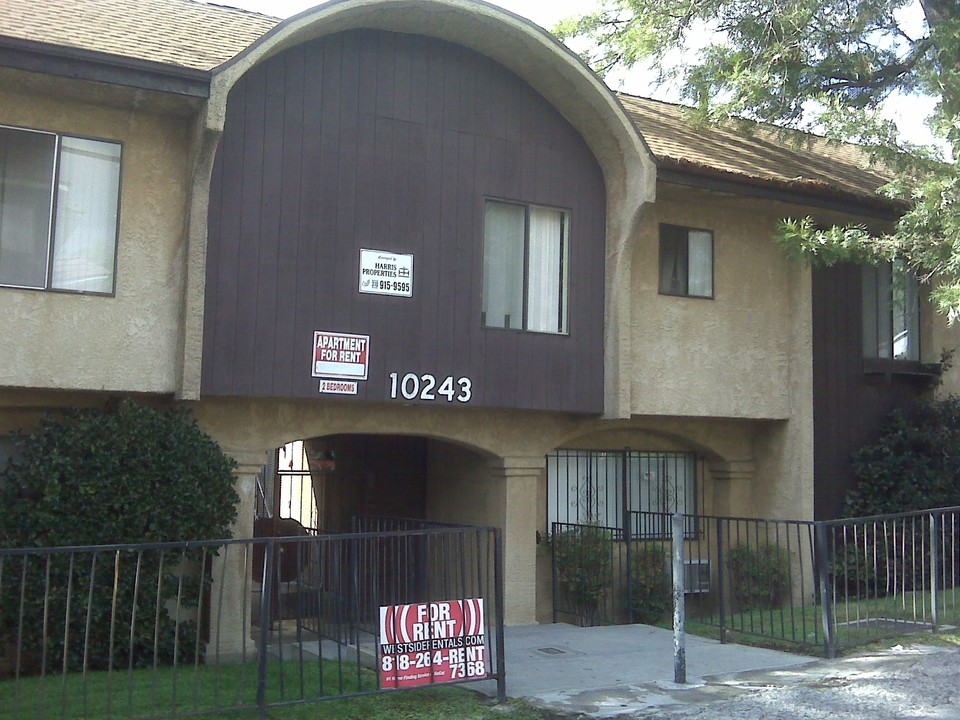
(891, 312)
(59, 201)
(525, 273)
(686, 261)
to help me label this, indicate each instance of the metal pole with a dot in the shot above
(721, 591)
(679, 639)
(627, 530)
(498, 601)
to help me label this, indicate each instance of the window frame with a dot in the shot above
(662, 238)
(54, 204)
(563, 294)
(879, 310)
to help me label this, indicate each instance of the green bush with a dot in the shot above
(651, 597)
(913, 465)
(582, 560)
(858, 564)
(127, 474)
(759, 576)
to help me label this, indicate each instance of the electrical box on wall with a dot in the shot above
(696, 576)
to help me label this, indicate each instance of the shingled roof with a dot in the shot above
(199, 36)
(791, 159)
(180, 33)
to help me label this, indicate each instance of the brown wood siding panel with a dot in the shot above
(392, 142)
(849, 406)
(288, 252)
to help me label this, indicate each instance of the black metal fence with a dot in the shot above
(891, 574)
(806, 585)
(605, 486)
(164, 630)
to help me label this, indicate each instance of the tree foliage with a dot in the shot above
(817, 64)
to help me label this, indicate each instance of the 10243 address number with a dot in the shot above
(425, 386)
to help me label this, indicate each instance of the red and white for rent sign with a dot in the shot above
(429, 643)
(340, 355)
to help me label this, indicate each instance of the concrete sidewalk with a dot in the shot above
(611, 671)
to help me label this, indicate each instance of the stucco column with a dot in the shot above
(732, 486)
(231, 589)
(515, 482)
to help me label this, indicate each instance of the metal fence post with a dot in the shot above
(679, 640)
(934, 562)
(552, 540)
(498, 591)
(353, 608)
(265, 610)
(821, 551)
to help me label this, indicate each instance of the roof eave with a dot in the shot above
(50, 59)
(798, 192)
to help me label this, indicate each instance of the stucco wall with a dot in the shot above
(745, 354)
(122, 343)
(944, 337)
(727, 356)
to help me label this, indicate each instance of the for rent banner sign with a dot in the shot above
(429, 643)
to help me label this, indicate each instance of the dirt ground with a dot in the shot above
(912, 681)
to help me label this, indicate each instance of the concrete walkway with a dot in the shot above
(611, 671)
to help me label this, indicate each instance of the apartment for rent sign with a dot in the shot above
(430, 643)
(340, 355)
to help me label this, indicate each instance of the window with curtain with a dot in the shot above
(59, 210)
(525, 250)
(891, 312)
(686, 261)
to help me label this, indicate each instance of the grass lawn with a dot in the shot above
(205, 689)
(189, 690)
(799, 628)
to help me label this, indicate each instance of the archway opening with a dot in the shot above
(321, 484)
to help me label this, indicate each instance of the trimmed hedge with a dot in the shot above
(125, 474)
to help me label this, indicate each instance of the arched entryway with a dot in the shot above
(324, 483)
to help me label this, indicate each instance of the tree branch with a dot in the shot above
(884, 75)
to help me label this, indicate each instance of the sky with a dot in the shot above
(543, 12)
(909, 114)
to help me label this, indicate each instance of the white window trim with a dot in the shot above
(701, 234)
(56, 219)
(879, 314)
(531, 321)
